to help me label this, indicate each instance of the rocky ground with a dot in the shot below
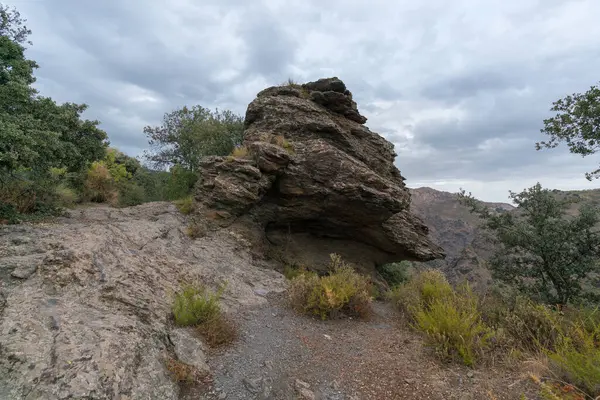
(85, 314)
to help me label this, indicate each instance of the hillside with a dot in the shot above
(457, 230)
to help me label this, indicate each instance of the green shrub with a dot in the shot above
(450, 319)
(533, 326)
(185, 205)
(67, 197)
(454, 327)
(195, 305)
(131, 194)
(293, 271)
(420, 291)
(395, 273)
(576, 357)
(342, 291)
(179, 184)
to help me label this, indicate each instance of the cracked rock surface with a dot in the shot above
(85, 302)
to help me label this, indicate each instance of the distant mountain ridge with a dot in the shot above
(458, 231)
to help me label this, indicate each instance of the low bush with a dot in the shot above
(184, 374)
(342, 291)
(293, 271)
(395, 273)
(194, 305)
(131, 194)
(454, 327)
(576, 357)
(450, 319)
(67, 196)
(421, 291)
(99, 185)
(185, 205)
(218, 331)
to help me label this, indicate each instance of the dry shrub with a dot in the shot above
(218, 331)
(183, 373)
(281, 141)
(196, 306)
(342, 291)
(241, 152)
(454, 327)
(194, 230)
(99, 185)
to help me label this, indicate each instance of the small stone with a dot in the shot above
(301, 384)
(223, 396)
(253, 385)
(261, 292)
(470, 374)
(24, 271)
(410, 381)
(327, 337)
(268, 364)
(307, 394)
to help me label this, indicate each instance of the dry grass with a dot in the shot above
(343, 291)
(194, 230)
(219, 331)
(185, 374)
(241, 152)
(185, 205)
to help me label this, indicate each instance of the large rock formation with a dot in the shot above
(315, 181)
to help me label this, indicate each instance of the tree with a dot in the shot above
(577, 123)
(188, 134)
(35, 132)
(543, 251)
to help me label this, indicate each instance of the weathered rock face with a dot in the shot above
(315, 174)
(85, 304)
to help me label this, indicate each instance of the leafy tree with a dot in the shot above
(577, 123)
(188, 134)
(543, 251)
(36, 134)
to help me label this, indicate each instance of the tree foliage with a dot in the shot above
(543, 251)
(188, 134)
(577, 123)
(36, 134)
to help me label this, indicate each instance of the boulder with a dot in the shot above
(316, 180)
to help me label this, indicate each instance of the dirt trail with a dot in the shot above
(345, 360)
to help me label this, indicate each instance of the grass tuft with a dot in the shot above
(185, 205)
(342, 291)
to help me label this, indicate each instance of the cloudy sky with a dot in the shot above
(460, 87)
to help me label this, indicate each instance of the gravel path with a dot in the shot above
(281, 355)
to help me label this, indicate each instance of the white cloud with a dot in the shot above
(461, 89)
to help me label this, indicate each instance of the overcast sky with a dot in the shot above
(460, 87)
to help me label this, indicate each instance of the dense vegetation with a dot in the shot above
(51, 157)
(541, 250)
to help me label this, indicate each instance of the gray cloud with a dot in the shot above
(460, 90)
